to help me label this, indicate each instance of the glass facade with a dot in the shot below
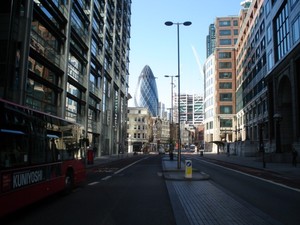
(146, 94)
(70, 59)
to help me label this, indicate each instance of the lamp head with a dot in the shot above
(169, 23)
(187, 23)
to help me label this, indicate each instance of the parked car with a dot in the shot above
(161, 150)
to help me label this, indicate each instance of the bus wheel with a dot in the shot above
(69, 182)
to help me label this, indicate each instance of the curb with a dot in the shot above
(180, 176)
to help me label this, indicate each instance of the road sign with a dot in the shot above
(188, 168)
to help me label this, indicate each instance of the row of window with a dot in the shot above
(140, 127)
(139, 119)
(227, 123)
(227, 23)
(228, 32)
(140, 135)
(227, 41)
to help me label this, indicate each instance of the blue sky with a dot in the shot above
(154, 44)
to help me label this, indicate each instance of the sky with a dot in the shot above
(154, 44)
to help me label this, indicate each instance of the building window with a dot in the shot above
(225, 97)
(224, 55)
(270, 60)
(225, 122)
(235, 23)
(282, 42)
(268, 7)
(225, 75)
(269, 33)
(226, 109)
(225, 23)
(225, 65)
(262, 44)
(225, 32)
(225, 85)
(293, 2)
(225, 41)
(296, 30)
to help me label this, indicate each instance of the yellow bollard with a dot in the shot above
(188, 168)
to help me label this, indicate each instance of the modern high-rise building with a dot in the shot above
(146, 94)
(210, 40)
(220, 78)
(70, 59)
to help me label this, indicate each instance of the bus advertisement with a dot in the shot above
(40, 155)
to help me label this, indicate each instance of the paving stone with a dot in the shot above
(205, 204)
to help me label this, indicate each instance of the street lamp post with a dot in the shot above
(171, 126)
(277, 117)
(187, 23)
(261, 143)
(172, 85)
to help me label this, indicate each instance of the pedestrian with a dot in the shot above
(228, 150)
(295, 155)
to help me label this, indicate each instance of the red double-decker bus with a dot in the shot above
(40, 155)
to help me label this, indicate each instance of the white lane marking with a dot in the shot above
(106, 178)
(249, 175)
(122, 169)
(93, 183)
(126, 167)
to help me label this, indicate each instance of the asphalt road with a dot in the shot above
(279, 202)
(116, 194)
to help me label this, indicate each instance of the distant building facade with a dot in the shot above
(139, 129)
(191, 109)
(144, 132)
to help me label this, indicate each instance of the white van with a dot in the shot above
(193, 148)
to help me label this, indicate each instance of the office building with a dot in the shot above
(70, 59)
(146, 94)
(282, 40)
(210, 40)
(267, 80)
(267, 96)
(191, 109)
(219, 81)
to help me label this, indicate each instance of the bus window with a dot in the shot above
(38, 150)
(14, 148)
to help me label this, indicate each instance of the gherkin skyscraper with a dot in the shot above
(146, 91)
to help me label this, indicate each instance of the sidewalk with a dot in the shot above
(285, 169)
(171, 171)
